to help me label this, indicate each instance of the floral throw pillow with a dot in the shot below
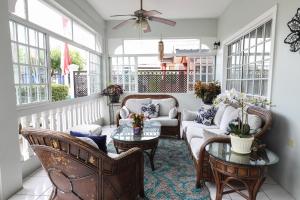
(206, 116)
(151, 110)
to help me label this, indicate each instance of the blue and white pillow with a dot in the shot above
(206, 116)
(151, 110)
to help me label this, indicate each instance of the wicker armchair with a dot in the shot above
(78, 170)
(202, 166)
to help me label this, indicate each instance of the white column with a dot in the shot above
(10, 164)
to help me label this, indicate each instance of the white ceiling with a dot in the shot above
(173, 9)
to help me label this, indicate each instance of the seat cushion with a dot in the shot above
(165, 105)
(195, 146)
(87, 129)
(229, 115)
(165, 121)
(186, 124)
(195, 130)
(125, 121)
(135, 105)
(209, 133)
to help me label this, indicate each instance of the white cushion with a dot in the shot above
(124, 112)
(196, 130)
(89, 129)
(135, 105)
(173, 113)
(165, 105)
(165, 121)
(230, 114)
(209, 133)
(195, 146)
(88, 141)
(186, 124)
(188, 115)
(219, 114)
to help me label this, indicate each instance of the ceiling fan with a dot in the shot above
(142, 18)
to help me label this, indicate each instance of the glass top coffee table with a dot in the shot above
(124, 138)
(238, 172)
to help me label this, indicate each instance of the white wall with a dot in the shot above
(284, 138)
(10, 166)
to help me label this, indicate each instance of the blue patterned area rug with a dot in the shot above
(174, 176)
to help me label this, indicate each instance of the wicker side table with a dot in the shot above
(238, 172)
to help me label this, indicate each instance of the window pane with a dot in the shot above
(33, 38)
(42, 14)
(252, 38)
(23, 54)
(14, 50)
(83, 36)
(22, 34)
(34, 56)
(17, 7)
(268, 30)
(16, 74)
(260, 36)
(13, 31)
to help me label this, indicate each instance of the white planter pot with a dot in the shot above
(241, 145)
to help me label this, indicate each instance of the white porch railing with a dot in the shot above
(59, 116)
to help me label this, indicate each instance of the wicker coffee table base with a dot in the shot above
(148, 146)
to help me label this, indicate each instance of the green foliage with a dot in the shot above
(55, 58)
(77, 59)
(239, 129)
(59, 92)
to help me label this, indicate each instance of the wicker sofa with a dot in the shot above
(197, 141)
(170, 127)
(78, 170)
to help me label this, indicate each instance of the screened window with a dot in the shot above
(29, 64)
(249, 62)
(94, 73)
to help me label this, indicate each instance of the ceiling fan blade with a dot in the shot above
(148, 28)
(123, 23)
(122, 15)
(162, 20)
(151, 13)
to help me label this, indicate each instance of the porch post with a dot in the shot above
(10, 158)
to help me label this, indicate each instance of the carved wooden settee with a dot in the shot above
(170, 127)
(78, 170)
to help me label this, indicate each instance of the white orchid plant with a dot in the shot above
(240, 127)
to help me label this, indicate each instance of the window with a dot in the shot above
(36, 74)
(249, 62)
(123, 72)
(42, 14)
(29, 64)
(201, 69)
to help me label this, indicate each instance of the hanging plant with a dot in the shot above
(293, 39)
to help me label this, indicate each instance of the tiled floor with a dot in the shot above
(38, 187)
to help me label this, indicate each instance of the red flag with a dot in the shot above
(67, 59)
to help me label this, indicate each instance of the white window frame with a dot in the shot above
(271, 14)
(48, 33)
(192, 55)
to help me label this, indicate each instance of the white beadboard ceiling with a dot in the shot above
(173, 9)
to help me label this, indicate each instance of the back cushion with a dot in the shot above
(165, 105)
(230, 114)
(135, 105)
(219, 114)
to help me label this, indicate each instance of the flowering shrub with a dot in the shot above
(113, 90)
(207, 92)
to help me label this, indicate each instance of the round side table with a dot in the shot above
(238, 172)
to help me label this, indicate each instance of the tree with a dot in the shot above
(55, 58)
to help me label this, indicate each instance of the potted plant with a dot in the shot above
(137, 123)
(239, 129)
(207, 91)
(113, 92)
